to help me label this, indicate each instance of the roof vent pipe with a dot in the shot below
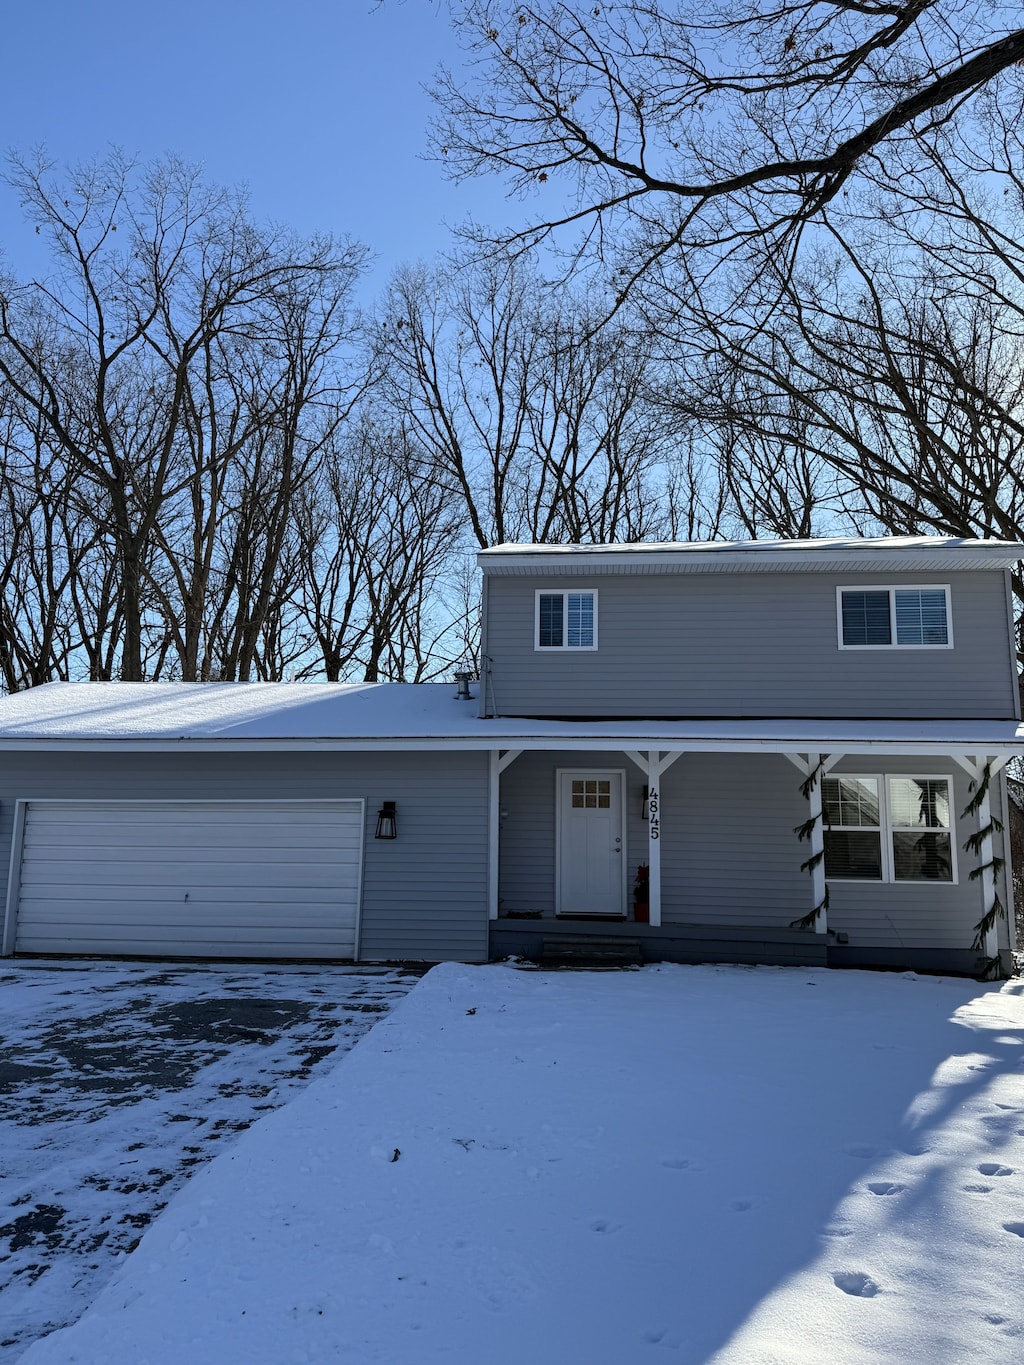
(463, 677)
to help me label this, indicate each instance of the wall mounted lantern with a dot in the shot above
(387, 822)
(645, 811)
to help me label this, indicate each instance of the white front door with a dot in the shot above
(591, 843)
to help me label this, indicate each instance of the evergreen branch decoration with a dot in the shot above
(809, 920)
(981, 790)
(988, 921)
(804, 831)
(975, 844)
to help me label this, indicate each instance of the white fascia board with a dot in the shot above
(893, 554)
(893, 744)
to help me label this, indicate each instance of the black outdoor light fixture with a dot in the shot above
(387, 822)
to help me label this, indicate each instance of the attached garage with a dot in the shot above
(185, 878)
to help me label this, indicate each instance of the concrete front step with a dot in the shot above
(590, 953)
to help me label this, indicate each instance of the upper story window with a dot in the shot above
(895, 618)
(566, 620)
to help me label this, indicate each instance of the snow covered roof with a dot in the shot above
(422, 716)
(840, 554)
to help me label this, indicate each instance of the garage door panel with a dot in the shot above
(231, 879)
(186, 873)
(89, 900)
(244, 831)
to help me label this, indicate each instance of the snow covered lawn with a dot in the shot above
(117, 1080)
(681, 1163)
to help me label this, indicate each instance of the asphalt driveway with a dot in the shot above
(117, 1080)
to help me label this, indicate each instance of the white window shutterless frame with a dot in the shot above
(913, 612)
(564, 620)
(897, 828)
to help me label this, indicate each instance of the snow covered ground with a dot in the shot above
(118, 1080)
(737, 1165)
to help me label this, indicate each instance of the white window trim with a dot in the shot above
(886, 829)
(892, 589)
(562, 592)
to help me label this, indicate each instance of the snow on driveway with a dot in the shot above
(117, 1080)
(693, 1164)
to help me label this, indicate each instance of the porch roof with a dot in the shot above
(395, 716)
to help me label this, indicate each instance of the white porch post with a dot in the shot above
(817, 846)
(493, 827)
(988, 879)
(654, 834)
(809, 765)
(499, 761)
(654, 765)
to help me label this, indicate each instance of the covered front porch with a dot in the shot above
(713, 849)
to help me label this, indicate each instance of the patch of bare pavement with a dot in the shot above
(117, 1080)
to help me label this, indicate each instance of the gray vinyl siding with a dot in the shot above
(744, 644)
(424, 894)
(730, 856)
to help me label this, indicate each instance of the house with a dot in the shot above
(796, 748)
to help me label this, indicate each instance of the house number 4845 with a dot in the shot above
(652, 813)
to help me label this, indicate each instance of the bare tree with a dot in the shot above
(522, 402)
(703, 132)
(162, 285)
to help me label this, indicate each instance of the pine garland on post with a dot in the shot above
(975, 844)
(806, 830)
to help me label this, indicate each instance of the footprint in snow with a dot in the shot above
(676, 1163)
(856, 1284)
(864, 1151)
(744, 1205)
(884, 1187)
(658, 1336)
(994, 1168)
(1016, 1228)
(977, 1189)
(604, 1225)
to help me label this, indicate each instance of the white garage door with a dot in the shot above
(190, 878)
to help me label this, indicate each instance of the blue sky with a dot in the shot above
(316, 105)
